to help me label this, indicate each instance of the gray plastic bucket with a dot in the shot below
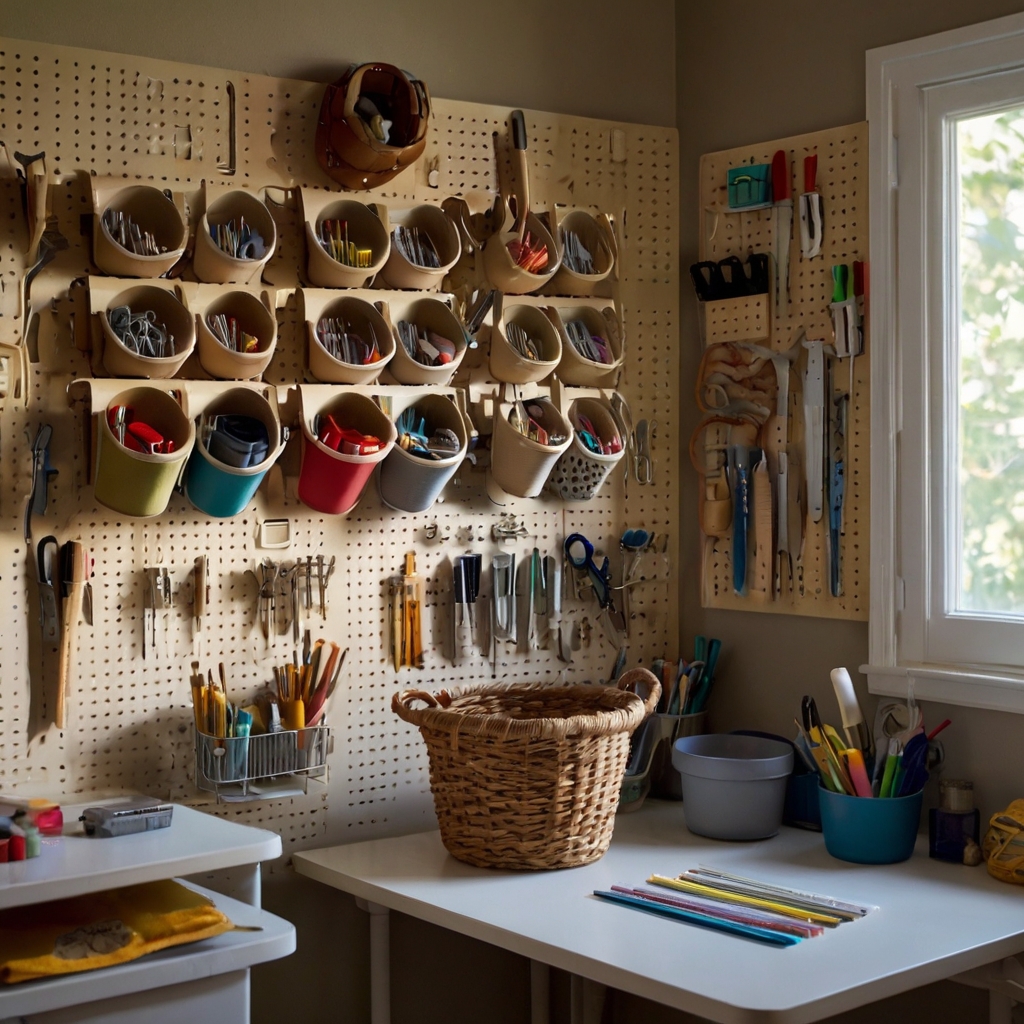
(734, 787)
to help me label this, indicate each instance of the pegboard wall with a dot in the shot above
(129, 722)
(842, 181)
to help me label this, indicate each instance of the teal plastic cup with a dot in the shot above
(869, 830)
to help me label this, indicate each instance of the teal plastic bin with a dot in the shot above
(749, 186)
(869, 830)
(215, 487)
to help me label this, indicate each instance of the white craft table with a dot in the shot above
(934, 920)
(201, 981)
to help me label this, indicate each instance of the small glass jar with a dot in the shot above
(955, 821)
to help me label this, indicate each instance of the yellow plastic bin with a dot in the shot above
(138, 483)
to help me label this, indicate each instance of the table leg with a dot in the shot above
(1005, 983)
(380, 961)
(1000, 1008)
(540, 993)
(586, 1000)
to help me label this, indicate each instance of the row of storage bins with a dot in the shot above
(582, 343)
(139, 231)
(146, 443)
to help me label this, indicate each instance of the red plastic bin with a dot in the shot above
(331, 481)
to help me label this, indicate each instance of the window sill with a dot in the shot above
(965, 686)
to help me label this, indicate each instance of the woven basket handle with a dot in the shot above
(633, 678)
(401, 703)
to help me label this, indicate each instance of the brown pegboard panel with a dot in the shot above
(129, 718)
(842, 180)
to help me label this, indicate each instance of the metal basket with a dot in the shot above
(227, 766)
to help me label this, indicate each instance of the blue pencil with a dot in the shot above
(733, 928)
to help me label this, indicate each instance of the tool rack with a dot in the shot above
(842, 181)
(177, 126)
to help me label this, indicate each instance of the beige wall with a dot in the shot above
(569, 56)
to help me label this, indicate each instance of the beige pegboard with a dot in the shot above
(130, 719)
(743, 319)
(842, 181)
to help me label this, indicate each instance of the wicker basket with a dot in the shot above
(527, 775)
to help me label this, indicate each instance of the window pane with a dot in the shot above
(991, 346)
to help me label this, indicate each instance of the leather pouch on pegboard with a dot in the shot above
(372, 124)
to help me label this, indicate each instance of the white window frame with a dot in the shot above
(912, 642)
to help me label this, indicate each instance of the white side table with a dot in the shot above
(201, 981)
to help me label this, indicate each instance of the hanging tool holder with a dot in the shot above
(819, 566)
(173, 127)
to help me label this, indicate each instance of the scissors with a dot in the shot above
(580, 553)
(644, 465)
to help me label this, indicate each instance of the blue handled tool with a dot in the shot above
(580, 553)
(913, 766)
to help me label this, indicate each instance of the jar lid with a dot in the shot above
(956, 795)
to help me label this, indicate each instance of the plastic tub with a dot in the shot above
(369, 324)
(331, 481)
(505, 274)
(506, 363)
(409, 483)
(153, 212)
(595, 234)
(365, 229)
(575, 369)
(121, 361)
(136, 483)
(213, 264)
(869, 830)
(399, 272)
(734, 787)
(212, 485)
(579, 473)
(254, 318)
(520, 465)
(433, 315)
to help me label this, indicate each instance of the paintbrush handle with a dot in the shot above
(72, 609)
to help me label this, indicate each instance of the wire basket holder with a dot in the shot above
(229, 766)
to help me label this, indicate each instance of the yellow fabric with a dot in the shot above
(154, 915)
(1003, 846)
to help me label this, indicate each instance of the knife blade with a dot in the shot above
(814, 425)
(783, 196)
(47, 558)
(812, 216)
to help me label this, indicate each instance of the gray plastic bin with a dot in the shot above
(734, 787)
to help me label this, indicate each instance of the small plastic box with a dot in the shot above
(125, 817)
